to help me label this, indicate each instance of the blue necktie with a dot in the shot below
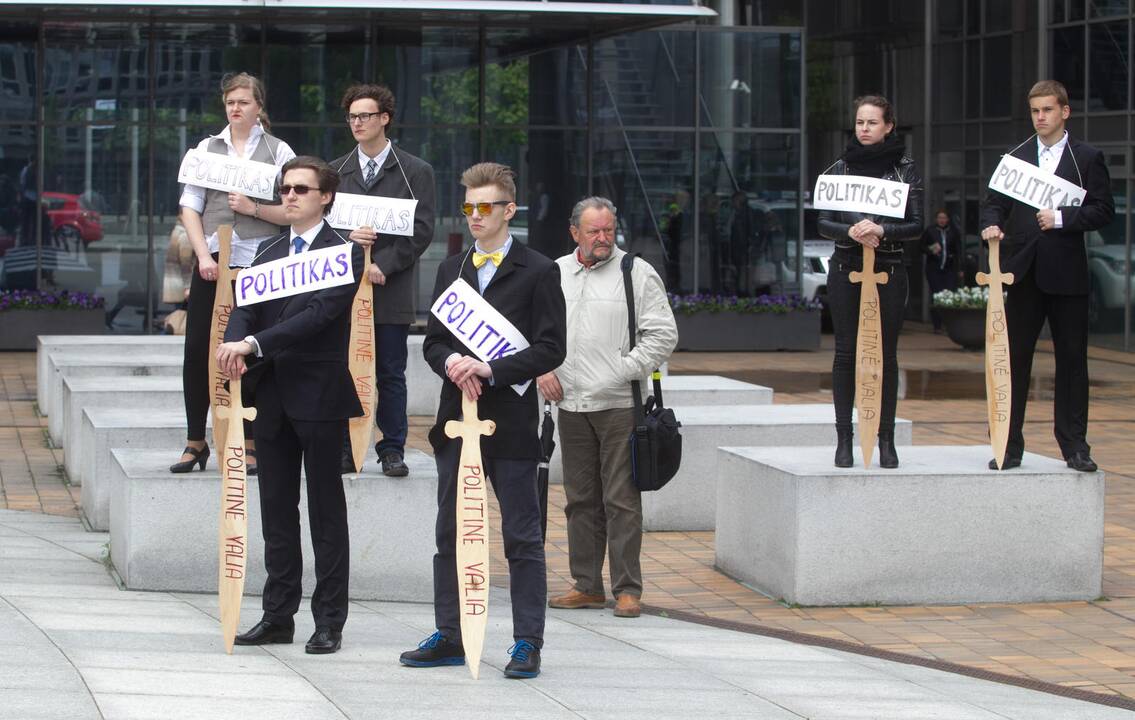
(297, 243)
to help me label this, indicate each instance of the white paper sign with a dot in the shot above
(478, 325)
(858, 193)
(1026, 182)
(303, 273)
(228, 174)
(388, 216)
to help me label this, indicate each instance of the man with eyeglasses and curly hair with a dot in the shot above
(375, 167)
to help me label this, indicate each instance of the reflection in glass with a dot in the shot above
(1110, 273)
(17, 71)
(997, 90)
(551, 176)
(1107, 8)
(644, 79)
(18, 195)
(95, 174)
(1109, 72)
(310, 67)
(1068, 60)
(95, 71)
(649, 177)
(750, 79)
(749, 213)
(190, 61)
(947, 85)
(527, 84)
(432, 72)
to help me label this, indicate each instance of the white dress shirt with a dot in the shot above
(379, 160)
(1048, 159)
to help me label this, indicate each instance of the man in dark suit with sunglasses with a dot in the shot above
(1045, 251)
(297, 353)
(524, 286)
(375, 167)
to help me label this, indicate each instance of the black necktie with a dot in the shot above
(371, 168)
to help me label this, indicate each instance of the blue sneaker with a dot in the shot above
(525, 661)
(434, 651)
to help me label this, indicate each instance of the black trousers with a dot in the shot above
(514, 483)
(316, 445)
(844, 304)
(1026, 309)
(938, 279)
(195, 364)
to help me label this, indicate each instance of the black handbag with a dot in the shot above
(656, 441)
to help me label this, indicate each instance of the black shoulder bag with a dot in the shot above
(656, 442)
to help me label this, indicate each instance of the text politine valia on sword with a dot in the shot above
(858, 193)
(221, 172)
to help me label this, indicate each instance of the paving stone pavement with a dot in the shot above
(78, 647)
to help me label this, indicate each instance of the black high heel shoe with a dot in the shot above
(199, 458)
(251, 469)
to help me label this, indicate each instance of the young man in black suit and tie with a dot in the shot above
(524, 286)
(296, 350)
(1045, 252)
(374, 167)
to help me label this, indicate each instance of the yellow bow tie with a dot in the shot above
(479, 258)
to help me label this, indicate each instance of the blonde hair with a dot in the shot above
(491, 173)
(234, 81)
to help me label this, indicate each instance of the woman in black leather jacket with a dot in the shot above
(874, 151)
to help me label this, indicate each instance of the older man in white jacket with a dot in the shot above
(593, 391)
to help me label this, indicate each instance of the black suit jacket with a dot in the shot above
(1058, 257)
(953, 247)
(395, 255)
(303, 374)
(526, 290)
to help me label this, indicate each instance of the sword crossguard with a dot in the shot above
(235, 409)
(880, 278)
(470, 427)
(991, 277)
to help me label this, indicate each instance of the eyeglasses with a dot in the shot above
(485, 208)
(300, 189)
(361, 117)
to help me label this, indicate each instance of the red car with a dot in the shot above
(71, 220)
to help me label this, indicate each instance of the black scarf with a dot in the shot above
(874, 160)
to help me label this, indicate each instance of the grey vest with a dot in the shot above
(217, 211)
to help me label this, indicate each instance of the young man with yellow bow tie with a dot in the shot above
(524, 287)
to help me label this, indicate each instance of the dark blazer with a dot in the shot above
(303, 374)
(834, 225)
(395, 255)
(1059, 256)
(954, 249)
(526, 290)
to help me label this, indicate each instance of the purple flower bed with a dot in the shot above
(778, 304)
(46, 300)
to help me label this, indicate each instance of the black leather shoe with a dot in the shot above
(347, 465)
(843, 455)
(434, 651)
(1082, 462)
(324, 641)
(266, 632)
(525, 662)
(199, 457)
(393, 465)
(888, 456)
(1007, 464)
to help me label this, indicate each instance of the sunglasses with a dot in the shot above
(300, 189)
(485, 208)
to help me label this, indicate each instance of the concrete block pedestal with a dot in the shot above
(124, 345)
(689, 502)
(143, 393)
(122, 365)
(163, 528)
(940, 529)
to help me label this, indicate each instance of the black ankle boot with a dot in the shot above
(888, 458)
(843, 456)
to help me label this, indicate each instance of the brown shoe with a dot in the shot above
(575, 600)
(627, 606)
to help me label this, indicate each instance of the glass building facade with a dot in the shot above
(959, 74)
(707, 129)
